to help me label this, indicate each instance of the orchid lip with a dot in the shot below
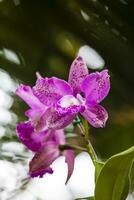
(68, 101)
(69, 104)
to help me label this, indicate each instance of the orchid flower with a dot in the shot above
(88, 91)
(55, 103)
(46, 145)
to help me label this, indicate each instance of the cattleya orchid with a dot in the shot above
(54, 104)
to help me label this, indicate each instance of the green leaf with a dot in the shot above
(132, 179)
(91, 198)
(113, 180)
(87, 198)
(98, 167)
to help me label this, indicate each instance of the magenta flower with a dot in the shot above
(88, 91)
(55, 103)
(46, 145)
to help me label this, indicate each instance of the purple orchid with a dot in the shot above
(88, 91)
(46, 145)
(55, 103)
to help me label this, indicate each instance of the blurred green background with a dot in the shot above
(46, 35)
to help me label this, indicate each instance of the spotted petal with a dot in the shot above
(51, 119)
(96, 116)
(42, 160)
(50, 90)
(27, 135)
(78, 72)
(96, 86)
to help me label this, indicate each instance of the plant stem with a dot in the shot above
(91, 152)
(84, 126)
(71, 146)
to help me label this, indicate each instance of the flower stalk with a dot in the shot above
(71, 146)
(84, 126)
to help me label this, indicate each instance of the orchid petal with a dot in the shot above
(35, 117)
(33, 113)
(96, 86)
(50, 90)
(56, 136)
(78, 72)
(53, 120)
(59, 136)
(69, 159)
(32, 140)
(96, 116)
(41, 172)
(26, 93)
(42, 160)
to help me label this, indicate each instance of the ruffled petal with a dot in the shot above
(78, 72)
(50, 90)
(51, 119)
(42, 160)
(96, 86)
(96, 116)
(69, 159)
(32, 140)
(68, 105)
(26, 93)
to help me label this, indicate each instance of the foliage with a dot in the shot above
(113, 178)
(113, 182)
